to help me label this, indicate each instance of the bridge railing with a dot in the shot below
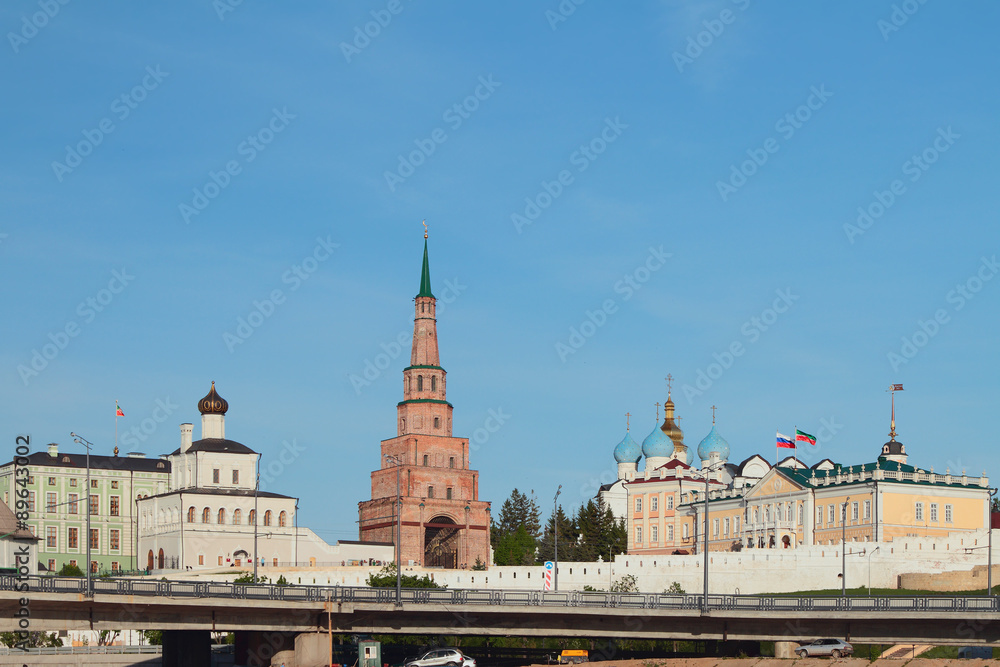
(512, 598)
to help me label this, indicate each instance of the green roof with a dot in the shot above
(425, 276)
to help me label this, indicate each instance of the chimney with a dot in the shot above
(186, 430)
(53, 449)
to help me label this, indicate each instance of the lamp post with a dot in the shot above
(705, 471)
(870, 570)
(843, 549)
(256, 488)
(399, 532)
(989, 548)
(86, 443)
(555, 539)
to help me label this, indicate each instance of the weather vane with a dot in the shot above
(425, 227)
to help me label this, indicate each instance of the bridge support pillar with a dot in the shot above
(262, 649)
(785, 649)
(312, 649)
(187, 648)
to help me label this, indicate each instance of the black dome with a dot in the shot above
(213, 404)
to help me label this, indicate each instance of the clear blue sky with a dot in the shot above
(629, 126)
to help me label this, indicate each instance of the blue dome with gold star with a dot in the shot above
(713, 443)
(657, 443)
(628, 450)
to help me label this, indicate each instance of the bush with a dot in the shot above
(70, 570)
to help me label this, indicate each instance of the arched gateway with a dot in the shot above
(441, 542)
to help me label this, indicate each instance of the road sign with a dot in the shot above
(547, 578)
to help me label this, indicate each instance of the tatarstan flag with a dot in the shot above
(802, 436)
(118, 410)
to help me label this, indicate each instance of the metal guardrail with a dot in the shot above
(85, 650)
(510, 598)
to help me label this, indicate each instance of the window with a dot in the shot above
(638, 504)
(215, 475)
(222, 516)
(430, 491)
(52, 481)
(95, 538)
(201, 559)
(72, 481)
(918, 512)
(95, 504)
(736, 525)
(72, 562)
(947, 514)
(670, 533)
(253, 518)
(93, 483)
(715, 527)
(725, 527)
(425, 460)
(50, 501)
(831, 515)
(420, 383)
(52, 565)
(434, 386)
(236, 477)
(802, 513)
(206, 515)
(653, 534)
(114, 484)
(237, 517)
(437, 422)
(451, 461)
(274, 562)
(868, 510)
(115, 505)
(72, 506)
(447, 493)
(654, 503)
(115, 537)
(191, 514)
(31, 501)
(638, 534)
(670, 501)
(854, 511)
(220, 560)
(282, 520)
(50, 537)
(934, 514)
(819, 515)
(684, 531)
(267, 518)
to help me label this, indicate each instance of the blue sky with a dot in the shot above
(715, 154)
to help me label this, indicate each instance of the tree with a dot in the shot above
(249, 578)
(107, 637)
(386, 578)
(567, 538)
(627, 584)
(33, 640)
(674, 589)
(517, 548)
(153, 637)
(70, 570)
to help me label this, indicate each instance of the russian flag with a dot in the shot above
(785, 442)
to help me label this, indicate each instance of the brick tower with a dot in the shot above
(444, 524)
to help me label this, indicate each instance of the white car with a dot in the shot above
(442, 657)
(831, 647)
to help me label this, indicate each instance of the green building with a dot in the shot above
(57, 505)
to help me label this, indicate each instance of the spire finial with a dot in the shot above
(424, 223)
(713, 415)
(670, 382)
(628, 415)
(657, 413)
(893, 388)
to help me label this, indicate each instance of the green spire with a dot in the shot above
(425, 275)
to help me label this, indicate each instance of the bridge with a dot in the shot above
(62, 603)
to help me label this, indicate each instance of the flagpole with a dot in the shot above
(116, 429)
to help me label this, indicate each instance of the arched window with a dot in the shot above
(237, 517)
(191, 514)
(149, 560)
(253, 517)
(267, 518)
(282, 519)
(434, 383)
(406, 382)
(222, 516)
(420, 383)
(437, 423)
(206, 515)
(160, 559)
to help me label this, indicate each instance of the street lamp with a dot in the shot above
(870, 570)
(256, 488)
(989, 548)
(399, 531)
(555, 539)
(843, 549)
(86, 443)
(704, 473)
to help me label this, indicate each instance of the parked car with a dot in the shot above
(831, 647)
(442, 657)
(971, 652)
(573, 657)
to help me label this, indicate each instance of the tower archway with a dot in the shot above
(441, 540)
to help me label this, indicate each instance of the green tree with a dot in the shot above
(627, 584)
(70, 570)
(153, 637)
(386, 578)
(567, 538)
(249, 578)
(34, 639)
(517, 548)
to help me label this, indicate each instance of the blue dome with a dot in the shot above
(628, 450)
(713, 444)
(657, 444)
